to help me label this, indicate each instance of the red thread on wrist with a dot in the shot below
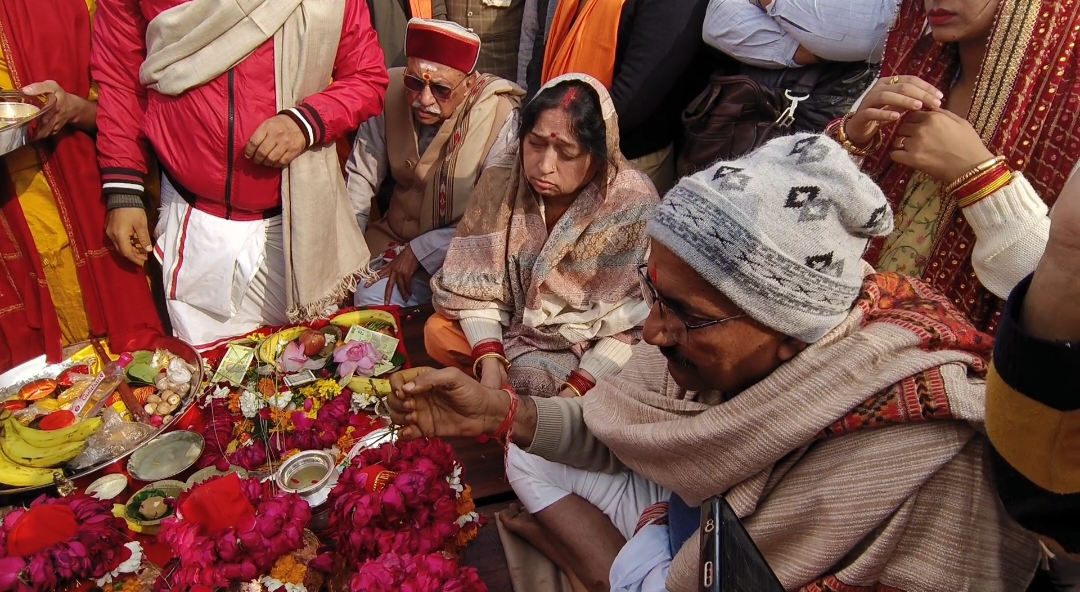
(504, 433)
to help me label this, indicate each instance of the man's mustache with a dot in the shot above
(673, 355)
(432, 110)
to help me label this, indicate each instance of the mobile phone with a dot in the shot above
(730, 561)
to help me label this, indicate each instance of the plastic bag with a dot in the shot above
(115, 437)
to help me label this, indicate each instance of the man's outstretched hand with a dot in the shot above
(444, 403)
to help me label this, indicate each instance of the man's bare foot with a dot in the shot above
(520, 522)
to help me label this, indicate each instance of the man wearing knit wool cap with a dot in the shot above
(837, 409)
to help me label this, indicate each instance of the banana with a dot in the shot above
(20, 452)
(19, 476)
(369, 386)
(77, 432)
(361, 317)
(268, 349)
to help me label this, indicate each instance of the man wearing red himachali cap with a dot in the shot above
(443, 123)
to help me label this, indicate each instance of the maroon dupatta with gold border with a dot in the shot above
(1026, 107)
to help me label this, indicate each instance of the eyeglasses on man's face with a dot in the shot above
(675, 325)
(441, 92)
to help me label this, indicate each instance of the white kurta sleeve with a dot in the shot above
(430, 248)
(366, 168)
(1011, 230)
(507, 135)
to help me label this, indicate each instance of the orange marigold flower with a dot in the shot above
(234, 403)
(465, 502)
(267, 388)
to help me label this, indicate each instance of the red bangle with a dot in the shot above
(578, 383)
(488, 347)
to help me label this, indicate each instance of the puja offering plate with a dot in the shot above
(60, 422)
(19, 117)
(166, 456)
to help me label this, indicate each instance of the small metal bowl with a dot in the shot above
(307, 473)
(166, 456)
(171, 489)
(19, 117)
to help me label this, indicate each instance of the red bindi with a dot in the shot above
(554, 135)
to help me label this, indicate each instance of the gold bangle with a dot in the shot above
(853, 149)
(970, 175)
(476, 363)
(567, 385)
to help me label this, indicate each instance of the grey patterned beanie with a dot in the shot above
(780, 231)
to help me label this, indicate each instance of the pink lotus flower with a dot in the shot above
(294, 360)
(357, 358)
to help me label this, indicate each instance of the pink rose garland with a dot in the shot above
(229, 555)
(96, 549)
(414, 514)
(417, 573)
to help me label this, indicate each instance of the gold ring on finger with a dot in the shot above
(900, 143)
(894, 80)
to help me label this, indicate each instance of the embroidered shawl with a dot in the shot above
(553, 292)
(51, 41)
(857, 466)
(1025, 107)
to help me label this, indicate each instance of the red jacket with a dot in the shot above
(199, 137)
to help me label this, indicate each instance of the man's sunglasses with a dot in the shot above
(439, 91)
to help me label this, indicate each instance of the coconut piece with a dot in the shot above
(173, 400)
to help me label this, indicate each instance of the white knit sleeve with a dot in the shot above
(606, 357)
(477, 329)
(1011, 229)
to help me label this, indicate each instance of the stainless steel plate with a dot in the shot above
(38, 367)
(166, 456)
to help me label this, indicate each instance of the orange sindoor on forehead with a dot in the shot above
(426, 76)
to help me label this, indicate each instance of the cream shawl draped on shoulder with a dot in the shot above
(193, 43)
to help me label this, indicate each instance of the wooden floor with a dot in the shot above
(483, 471)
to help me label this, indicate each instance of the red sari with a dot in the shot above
(1026, 107)
(50, 40)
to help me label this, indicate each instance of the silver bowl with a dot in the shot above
(307, 473)
(19, 118)
(166, 456)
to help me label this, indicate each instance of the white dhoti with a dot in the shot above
(223, 278)
(642, 564)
